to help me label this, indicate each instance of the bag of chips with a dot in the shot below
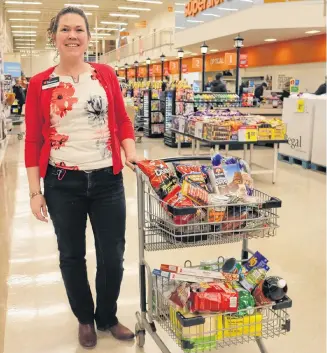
(161, 178)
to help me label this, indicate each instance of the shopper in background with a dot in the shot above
(76, 124)
(19, 94)
(243, 88)
(321, 89)
(258, 92)
(165, 83)
(218, 85)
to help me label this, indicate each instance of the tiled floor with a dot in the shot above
(35, 317)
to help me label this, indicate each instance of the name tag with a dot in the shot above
(50, 83)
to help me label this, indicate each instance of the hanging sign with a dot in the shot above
(244, 60)
(230, 58)
(124, 34)
(141, 24)
(196, 63)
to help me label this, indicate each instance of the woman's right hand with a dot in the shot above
(39, 208)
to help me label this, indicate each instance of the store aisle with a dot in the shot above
(34, 314)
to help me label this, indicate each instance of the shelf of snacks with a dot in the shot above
(192, 202)
(153, 116)
(229, 125)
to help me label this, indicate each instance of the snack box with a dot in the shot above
(198, 338)
(279, 132)
(181, 277)
(192, 271)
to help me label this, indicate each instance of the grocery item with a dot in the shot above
(249, 325)
(253, 278)
(197, 178)
(182, 169)
(160, 176)
(234, 218)
(271, 289)
(218, 297)
(246, 302)
(257, 260)
(232, 266)
(195, 192)
(192, 271)
(180, 295)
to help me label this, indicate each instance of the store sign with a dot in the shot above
(196, 63)
(184, 69)
(170, 9)
(193, 7)
(13, 69)
(294, 86)
(124, 34)
(244, 60)
(141, 24)
(230, 59)
(216, 61)
(156, 69)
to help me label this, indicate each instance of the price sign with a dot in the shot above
(198, 132)
(251, 135)
(300, 105)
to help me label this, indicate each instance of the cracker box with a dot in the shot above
(249, 325)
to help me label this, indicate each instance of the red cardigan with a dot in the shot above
(37, 118)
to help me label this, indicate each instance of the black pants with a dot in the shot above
(70, 197)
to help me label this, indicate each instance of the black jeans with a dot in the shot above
(70, 197)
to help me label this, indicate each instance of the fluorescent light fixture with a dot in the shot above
(94, 41)
(270, 40)
(312, 31)
(226, 9)
(147, 1)
(27, 45)
(106, 29)
(195, 21)
(179, 11)
(194, 54)
(24, 47)
(23, 26)
(122, 29)
(23, 2)
(180, 3)
(213, 50)
(24, 19)
(247, 0)
(23, 11)
(88, 13)
(133, 8)
(81, 5)
(210, 14)
(177, 27)
(114, 23)
(26, 32)
(124, 15)
(24, 35)
(101, 34)
(24, 40)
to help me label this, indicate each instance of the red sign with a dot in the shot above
(244, 60)
(184, 69)
(156, 69)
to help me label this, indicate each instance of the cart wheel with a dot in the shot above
(140, 336)
(20, 136)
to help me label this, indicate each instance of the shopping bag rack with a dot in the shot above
(158, 231)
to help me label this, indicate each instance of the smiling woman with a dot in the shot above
(76, 124)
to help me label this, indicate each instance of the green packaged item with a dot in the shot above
(246, 302)
(253, 278)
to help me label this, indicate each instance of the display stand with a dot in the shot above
(153, 117)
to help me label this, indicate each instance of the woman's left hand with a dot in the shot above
(131, 160)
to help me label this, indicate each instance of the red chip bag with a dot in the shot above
(182, 169)
(161, 177)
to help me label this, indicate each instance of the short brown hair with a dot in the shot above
(53, 27)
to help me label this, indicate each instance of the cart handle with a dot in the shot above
(186, 158)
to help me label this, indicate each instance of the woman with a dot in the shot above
(76, 123)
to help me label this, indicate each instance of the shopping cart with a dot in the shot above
(158, 231)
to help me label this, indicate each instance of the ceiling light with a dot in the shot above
(247, 0)
(179, 27)
(114, 23)
(106, 29)
(194, 54)
(88, 13)
(312, 31)
(26, 32)
(210, 14)
(101, 34)
(81, 5)
(23, 2)
(122, 29)
(147, 1)
(24, 35)
(124, 15)
(179, 11)
(133, 8)
(214, 50)
(27, 45)
(23, 47)
(180, 3)
(23, 11)
(226, 9)
(24, 40)
(270, 40)
(23, 26)
(195, 21)
(24, 19)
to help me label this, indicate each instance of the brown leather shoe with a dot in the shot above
(121, 332)
(87, 336)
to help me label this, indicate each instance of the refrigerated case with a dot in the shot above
(153, 116)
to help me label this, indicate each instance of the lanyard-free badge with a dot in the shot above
(50, 83)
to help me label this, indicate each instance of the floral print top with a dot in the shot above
(79, 136)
